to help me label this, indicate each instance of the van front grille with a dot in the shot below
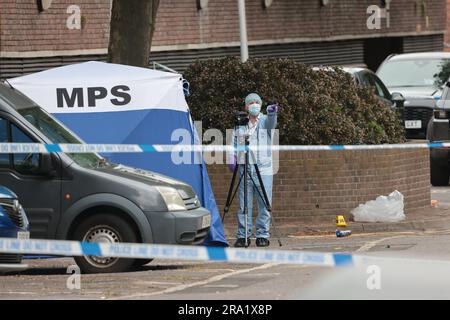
(191, 203)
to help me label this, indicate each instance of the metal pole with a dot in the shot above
(243, 31)
(247, 143)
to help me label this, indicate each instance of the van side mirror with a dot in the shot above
(398, 99)
(46, 165)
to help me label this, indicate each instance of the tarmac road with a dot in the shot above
(46, 279)
(425, 276)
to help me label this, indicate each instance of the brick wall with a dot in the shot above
(179, 22)
(313, 186)
(22, 28)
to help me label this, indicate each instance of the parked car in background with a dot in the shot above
(439, 131)
(415, 77)
(368, 79)
(13, 224)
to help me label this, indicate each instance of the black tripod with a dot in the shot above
(244, 176)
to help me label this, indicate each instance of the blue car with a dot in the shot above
(13, 224)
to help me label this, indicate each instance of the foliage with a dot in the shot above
(317, 106)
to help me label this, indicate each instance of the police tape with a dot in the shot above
(174, 252)
(148, 148)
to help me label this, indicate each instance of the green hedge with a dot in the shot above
(316, 106)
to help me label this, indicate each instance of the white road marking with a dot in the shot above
(436, 232)
(221, 286)
(369, 245)
(196, 284)
(217, 270)
(264, 274)
(440, 191)
(20, 292)
(159, 283)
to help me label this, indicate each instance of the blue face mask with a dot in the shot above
(254, 109)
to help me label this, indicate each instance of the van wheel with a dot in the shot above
(106, 228)
(439, 175)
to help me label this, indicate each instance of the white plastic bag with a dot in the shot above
(383, 209)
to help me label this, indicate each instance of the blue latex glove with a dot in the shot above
(232, 164)
(273, 108)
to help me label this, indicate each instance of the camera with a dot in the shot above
(186, 86)
(241, 118)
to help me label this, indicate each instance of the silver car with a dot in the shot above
(415, 76)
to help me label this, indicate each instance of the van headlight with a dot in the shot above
(172, 198)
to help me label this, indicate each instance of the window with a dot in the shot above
(4, 157)
(57, 133)
(365, 81)
(368, 82)
(411, 73)
(371, 81)
(381, 90)
(24, 163)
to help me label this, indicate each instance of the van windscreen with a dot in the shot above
(412, 73)
(48, 125)
(59, 134)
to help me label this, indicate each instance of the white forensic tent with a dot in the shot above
(111, 103)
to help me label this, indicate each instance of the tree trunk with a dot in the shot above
(132, 26)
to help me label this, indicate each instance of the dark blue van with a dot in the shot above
(13, 224)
